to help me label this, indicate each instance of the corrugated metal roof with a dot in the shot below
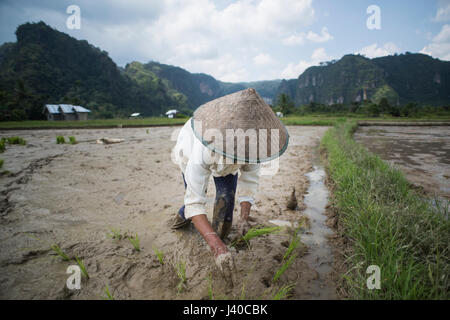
(65, 108)
(80, 109)
(52, 108)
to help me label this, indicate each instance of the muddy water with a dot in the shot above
(422, 153)
(319, 255)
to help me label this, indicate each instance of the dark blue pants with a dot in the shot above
(225, 195)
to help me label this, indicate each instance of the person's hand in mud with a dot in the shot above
(222, 257)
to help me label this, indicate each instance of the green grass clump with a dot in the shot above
(115, 234)
(82, 267)
(108, 295)
(2, 145)
(59, 252)
(159, 255)
(254, 233)
(1, 163)
(283, 292)
(180, 269)
(16, 140)
(387, 224)
(135, 242)
(72, 140)
(60, 140)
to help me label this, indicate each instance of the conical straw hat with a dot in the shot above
(242, 120)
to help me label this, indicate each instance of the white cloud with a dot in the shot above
(440, 45)
(223, 40)
(322, 37)
(373, 51)
(293, 70)
(263, 59)
(300, 38)
(443, 12)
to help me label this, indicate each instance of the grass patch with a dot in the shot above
(387, 224)
(115, 234)
(72, 140)
(135, 242)
(82, 267)
(1, 163)
(60, 140)
(160, 255)
(15, 140)
(283, 293)
(59, 252)
(108, 294)
(180, 269)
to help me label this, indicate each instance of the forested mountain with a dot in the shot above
(401, 79)
(48, 66)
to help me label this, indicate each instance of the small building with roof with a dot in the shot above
(171, 113)
(65, 112)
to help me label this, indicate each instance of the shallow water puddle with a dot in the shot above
(320, 256)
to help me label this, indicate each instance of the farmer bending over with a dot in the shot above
(205, 147)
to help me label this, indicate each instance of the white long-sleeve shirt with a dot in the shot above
(197, 162)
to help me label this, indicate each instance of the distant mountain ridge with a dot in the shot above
(48, 66)
(400, 78)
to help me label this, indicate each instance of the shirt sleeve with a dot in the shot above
(248, 182)
(197, 178)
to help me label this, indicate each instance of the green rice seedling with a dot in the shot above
(72, 140)
(16, 140)
(108, 294)
(147, 131)
(284, 267)
(160, 255)
(210, 287)
(255, 232)
(59, 252)
(60, 140)
(180, 269)
(1, 163)
(283, 292)
(135, 242)
(292, 245)
(115, 234)
(82, 267)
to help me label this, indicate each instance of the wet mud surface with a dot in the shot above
(72, 195)
(422, 153)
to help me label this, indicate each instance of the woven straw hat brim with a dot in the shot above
(245, 112)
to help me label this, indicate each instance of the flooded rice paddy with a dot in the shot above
(422, 153)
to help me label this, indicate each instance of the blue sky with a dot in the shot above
(243, 40)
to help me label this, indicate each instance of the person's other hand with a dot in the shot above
(242, 227)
